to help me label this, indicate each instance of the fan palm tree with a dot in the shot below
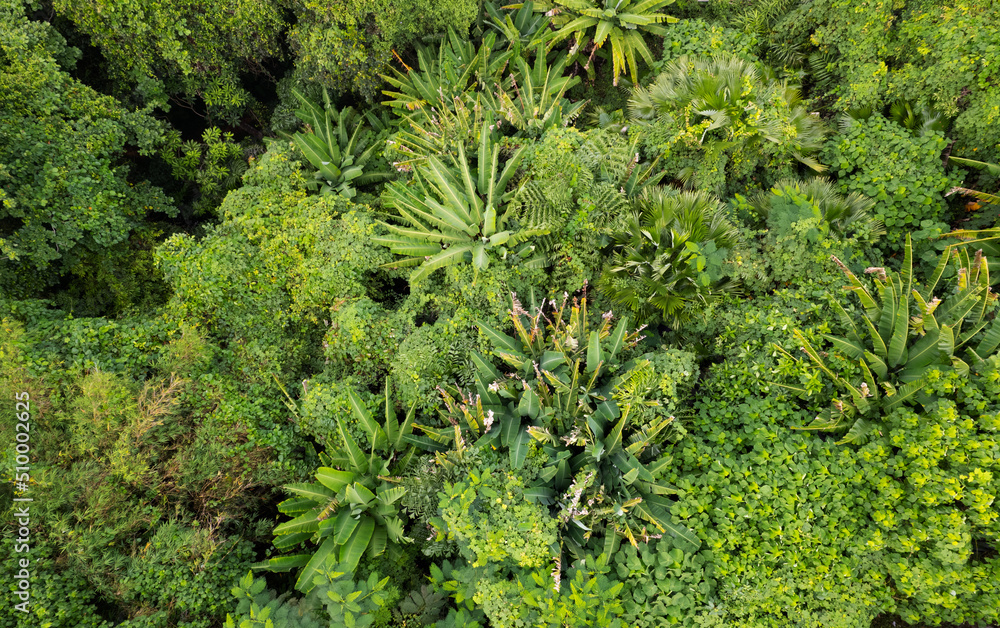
(668, 255)
(842, 215)
(743, 101)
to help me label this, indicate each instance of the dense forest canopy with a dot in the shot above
(456, 313)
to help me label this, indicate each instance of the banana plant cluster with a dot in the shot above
(904, 334)
(453, 214)
(622, 22)
(336, 145)
(447, 100)
(568, 389)
(531, 98)
(352, 508)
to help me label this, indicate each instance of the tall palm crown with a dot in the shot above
(621, 22)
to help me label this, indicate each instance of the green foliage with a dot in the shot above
(531, 98)
(183, 51)
(363, 340)
(352, 509)
(804, 224)
(133, 502)
(347, 47)
(668, 255)
(338, 145)
(455, 214)
(719, 120)
(278, 256)
(621, 23)
(457, 93)
(888, 359)
(599, 422)
(523, 29)
(666, 583)
(59, 596)
(183, 573)
(334, 600)
(698, 38)
(66, 197)
(941, 538)
(209, 169)
(879, 159)
(492, 521)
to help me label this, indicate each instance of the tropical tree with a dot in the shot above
(668, 255)
(622, 22)
(593, 414)
(452, 213)
(905, 333)
(339, 145)
(352, 507)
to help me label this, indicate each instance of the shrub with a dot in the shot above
(904, 173)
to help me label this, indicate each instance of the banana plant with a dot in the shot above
(992, 169)
(622, 22)
(336, 145)
(570, 391)
(452, 213)
(904, 334)
(352, 507)
(456, 68)
(522, 29)
(532, 97)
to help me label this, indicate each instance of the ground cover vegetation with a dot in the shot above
(458, 313)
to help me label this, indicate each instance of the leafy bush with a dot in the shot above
(904, 173)
(805, 225)
(698, 38)
(334, 601)
(347, 47)
(668, 256)
(67, 199)
(491, 520)
(666, 582)
(720, 121)
(182, 51)
(363, 339)
(941, 540)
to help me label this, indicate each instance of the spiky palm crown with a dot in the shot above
(846, 215)
(618, 22)
(660, 264)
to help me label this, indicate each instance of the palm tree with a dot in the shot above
(621, 22)
(668, 255)
(731, 105)
(842, 215)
